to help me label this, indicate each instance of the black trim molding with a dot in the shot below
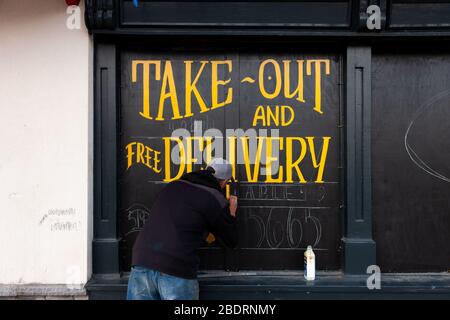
(105, 246)
(292, 286)
(324, 18)
(359, 248)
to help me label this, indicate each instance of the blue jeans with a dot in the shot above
(149, 284)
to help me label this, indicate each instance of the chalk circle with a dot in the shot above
(411, 153)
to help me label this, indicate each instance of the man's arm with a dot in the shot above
(233, 206)
(225, 226)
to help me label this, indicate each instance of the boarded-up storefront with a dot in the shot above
(335, 134)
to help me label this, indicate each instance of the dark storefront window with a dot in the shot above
(289, 102)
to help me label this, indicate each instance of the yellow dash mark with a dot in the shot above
(248, 79)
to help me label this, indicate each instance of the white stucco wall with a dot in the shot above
(46, 145)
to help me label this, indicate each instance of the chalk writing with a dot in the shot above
(52, 218)
(283, 192)
(276, 228)
(272, 192)
(137, 215)
(57, 213)
(65, 226)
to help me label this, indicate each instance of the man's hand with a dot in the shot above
(233, 205)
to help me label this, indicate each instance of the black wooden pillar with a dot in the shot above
(359, 247)
(105, 244)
